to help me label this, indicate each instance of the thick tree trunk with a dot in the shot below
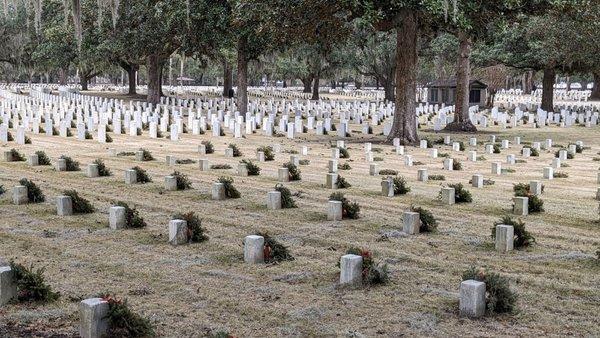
(548, 89)
(154, 80)
(284, 84)
(62, 77)
(84, 82)
(227, 78)
(463, 78)
(307, 83)
(388, 89)
(315, 91)
(404, 125)
(568, 81)
(333, 84)
(131, 79)
(242, 78)
(596, 88)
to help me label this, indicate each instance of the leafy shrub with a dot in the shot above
(373, 273)
(54, 131)
(72, 165)
(132, 216)
(388, 172)
(16, 156)
(27, 140)
(578, 148)
(456, 164)
(220, 166)
(80, 204)
(522, 238)
(230, 190)
(461, 195)
(195, 231)
(535, 152)
(9, 137)
(570, 155)
(400, 186)
(183, 181)
(274, 252)
(499, 297)
(286, 197)
(102, 169)
(535, 203)
(2, 190)
(185, 161)
(428, 221)
(481, 158)
(236, 150)
(108, 139)
(377, 159)
(342, 183)
(349, 209)
(146, 155)
(209, 147)
(304, 162)
(344, 166)
(141, 175)
(268, 151)
(437, 177)
(253, 169)
(344, 152)
(88, 135)
(43, 159)
(294, 172)
(31, 285)
(69, 132)
(34, 193)
(497, 149)
(560, 174)
(122, 322)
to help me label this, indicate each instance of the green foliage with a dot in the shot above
(499, 297)
(349, 209)
(72, 165)
(461, 146)
(146, 155)
(253, 169)
(578, 148)
(535, 203)
(560, 174)
(456, 164)
(268, 151)
(9, 137)
(132, 216)
(294, 172)
(141, 175)
(428, 221)
(286, 197)
(274, 252)
(209, 147)
(522, 238)
(31, 285)
(342, 183)
(108, 139)
(497, 149)
(122, 322)
(102, 169)
(377, 159)
(34, 193)
(344, 152)
(461, 195)
(535, 152)
(437, 177)
(304, 162)
(183, 181)
(2, 190)
(196, 233)
(344, 166)
(220, 166)
(230, 190)
(80, 204)
(400, 186)
(43, 159)
(236, 150)
(185, 161)
(373, 273)
(88, 135)
(388, 172)
(16, 156)
(570, 155)
(27, 140)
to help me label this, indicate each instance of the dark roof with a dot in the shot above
(452, 84)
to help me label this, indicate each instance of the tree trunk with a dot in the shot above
(131, 79)
(388, 89)
(463, 79)
(242, 77)
(284, 83)
(315, 91)
(404, 125)
(568, 81)
(227, 78)
(84, 82)
(596, 88)
(154, 73)
(548, 89)
(333, 84)
(307, 82)
(62, 77)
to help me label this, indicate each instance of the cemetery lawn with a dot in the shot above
(204, 288)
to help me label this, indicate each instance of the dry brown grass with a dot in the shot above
(192, 289)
